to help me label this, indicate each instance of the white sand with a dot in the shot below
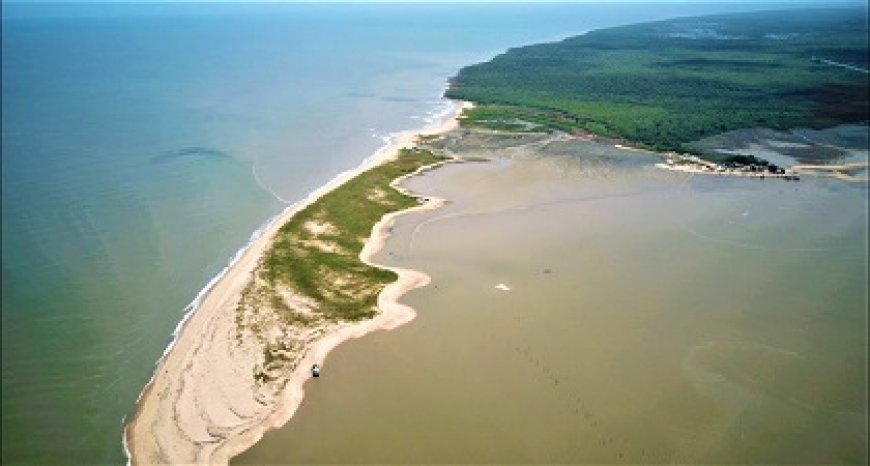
(696, 165)
(203, 405)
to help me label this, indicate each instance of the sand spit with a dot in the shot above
(203, 404)
(849, 171)
(842, 172)
(694, 164)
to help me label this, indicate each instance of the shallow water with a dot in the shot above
(652, 317)
(143, 144)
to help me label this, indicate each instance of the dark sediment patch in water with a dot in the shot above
(470, 142)
(847, 136)
(594, 152)
(192, 151)
(786, 148)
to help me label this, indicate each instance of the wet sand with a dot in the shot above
(203, 404)
(649, 316)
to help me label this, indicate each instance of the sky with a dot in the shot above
(796, 2)
(21, 9)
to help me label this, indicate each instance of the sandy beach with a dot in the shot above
(202, 405)
(549, 306)
(838, 171)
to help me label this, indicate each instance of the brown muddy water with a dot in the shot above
(652, 317)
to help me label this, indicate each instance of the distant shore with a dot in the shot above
(692, 164)
(202, 404)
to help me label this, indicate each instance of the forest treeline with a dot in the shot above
(667, 83)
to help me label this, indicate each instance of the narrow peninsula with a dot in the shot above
(307, 284)
(724, 94)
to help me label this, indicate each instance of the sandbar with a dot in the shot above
(202, 404)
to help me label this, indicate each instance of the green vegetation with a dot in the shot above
(664, 84)
(316, 254)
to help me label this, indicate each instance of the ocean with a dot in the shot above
(144, 145)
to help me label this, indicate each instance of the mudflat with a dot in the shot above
(646, 316)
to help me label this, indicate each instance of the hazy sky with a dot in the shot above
(796, 2)
(63, 8)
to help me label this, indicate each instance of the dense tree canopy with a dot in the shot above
(666, 83)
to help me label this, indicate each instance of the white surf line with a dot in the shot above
(266, 188)
(844, 65)
(193, 306)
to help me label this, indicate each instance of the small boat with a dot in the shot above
(315, 371)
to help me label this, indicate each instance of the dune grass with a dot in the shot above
(316, 253)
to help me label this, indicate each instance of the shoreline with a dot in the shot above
(161, 407)
(696, 165)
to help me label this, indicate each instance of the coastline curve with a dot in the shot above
(167, 412)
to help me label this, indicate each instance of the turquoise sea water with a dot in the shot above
(142, 146)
